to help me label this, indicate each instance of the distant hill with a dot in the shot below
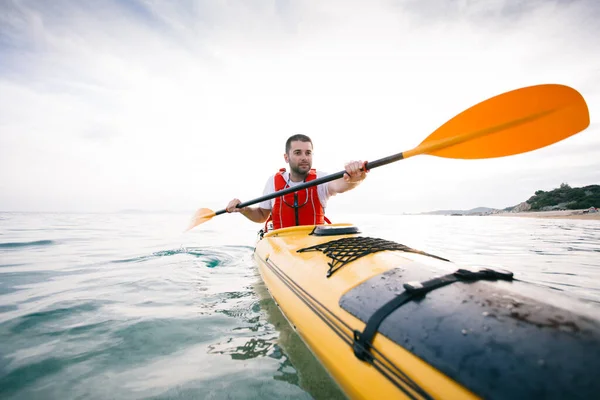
(562, 198)
(473, 211)
(136, 211)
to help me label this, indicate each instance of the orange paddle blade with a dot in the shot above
(200, 217)
(511, 123)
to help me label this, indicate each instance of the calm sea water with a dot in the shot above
(126, 306)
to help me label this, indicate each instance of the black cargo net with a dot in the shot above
(346, 250)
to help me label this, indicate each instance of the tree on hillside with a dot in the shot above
(566, 197)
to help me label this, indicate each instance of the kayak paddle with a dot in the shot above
(511, 123)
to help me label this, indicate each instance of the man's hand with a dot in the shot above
(255, 214)
(355, 172)
(231, 207)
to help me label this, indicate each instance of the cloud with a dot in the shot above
(149, 104)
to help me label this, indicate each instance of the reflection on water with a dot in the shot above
(249, 349)
(312, 377)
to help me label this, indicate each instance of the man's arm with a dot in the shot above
(255, 214)
(351, 179)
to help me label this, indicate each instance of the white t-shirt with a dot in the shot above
(322, 190)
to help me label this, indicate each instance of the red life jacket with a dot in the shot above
(297, 208)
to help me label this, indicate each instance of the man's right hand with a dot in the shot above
(255, 214)
(231, 207)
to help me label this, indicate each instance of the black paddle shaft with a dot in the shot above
(318, 181)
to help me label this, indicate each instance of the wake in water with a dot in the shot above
(184, 322)
(212, 256)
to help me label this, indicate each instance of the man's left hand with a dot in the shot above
(355, 171)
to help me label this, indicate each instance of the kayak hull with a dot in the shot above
(464, 340)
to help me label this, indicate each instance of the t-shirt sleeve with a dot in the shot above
(323, 190)
(269, 188)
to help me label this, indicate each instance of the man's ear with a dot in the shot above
(285, 157)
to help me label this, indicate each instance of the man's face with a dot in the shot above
(299, 157)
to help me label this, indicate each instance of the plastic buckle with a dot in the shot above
(413, 287)
(360, 348)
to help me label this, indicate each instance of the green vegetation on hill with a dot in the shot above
(566, 197)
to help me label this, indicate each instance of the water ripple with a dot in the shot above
(36, 243)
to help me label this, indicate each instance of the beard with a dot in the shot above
(300, 170)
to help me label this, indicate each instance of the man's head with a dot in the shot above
(298, 154)
(296, 138)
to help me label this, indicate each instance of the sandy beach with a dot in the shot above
(568, 214)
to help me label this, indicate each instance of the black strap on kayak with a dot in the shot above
(413, 290)
(346, 250)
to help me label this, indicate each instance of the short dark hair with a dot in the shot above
(296, 138)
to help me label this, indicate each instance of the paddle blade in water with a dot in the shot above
(200, 217)
(511, 123)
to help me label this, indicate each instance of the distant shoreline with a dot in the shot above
(567, 214)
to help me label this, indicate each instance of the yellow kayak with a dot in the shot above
(391, 322)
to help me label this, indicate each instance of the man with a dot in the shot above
(307, 206)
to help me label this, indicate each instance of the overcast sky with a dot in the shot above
(156, 105)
